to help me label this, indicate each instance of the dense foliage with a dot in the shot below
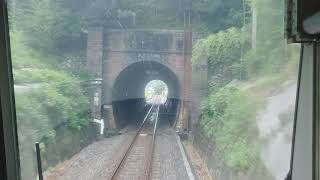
(49, 91)
(58, 91)
(228, 117)
(246, 56)
(223, 52)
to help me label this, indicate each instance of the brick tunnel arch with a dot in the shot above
(128, 98)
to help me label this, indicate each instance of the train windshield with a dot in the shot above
(147, 89)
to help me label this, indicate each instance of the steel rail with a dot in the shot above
(151, 149)
(124, 157)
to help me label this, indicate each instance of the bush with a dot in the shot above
(57, 98)
(228, 119)
(223, 52)
(42, 108)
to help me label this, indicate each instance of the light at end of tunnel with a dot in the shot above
(156, 92)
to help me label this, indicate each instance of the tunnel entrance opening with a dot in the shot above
(156, 92)
(129, 100)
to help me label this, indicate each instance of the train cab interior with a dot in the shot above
(301, 28)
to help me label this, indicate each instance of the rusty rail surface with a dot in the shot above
(142, 152)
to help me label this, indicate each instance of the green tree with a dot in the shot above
(223, 51)
(271, 53)
(217, 15)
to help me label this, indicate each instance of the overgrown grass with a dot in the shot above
(228, 119)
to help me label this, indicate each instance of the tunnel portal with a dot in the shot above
(121, 63)
(128, 98)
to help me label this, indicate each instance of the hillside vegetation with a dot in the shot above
(243, 70)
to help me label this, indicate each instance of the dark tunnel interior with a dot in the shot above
(128, 98)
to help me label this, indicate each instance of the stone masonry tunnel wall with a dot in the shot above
(111, 52)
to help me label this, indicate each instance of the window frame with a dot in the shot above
(315, 112)
(9, 149)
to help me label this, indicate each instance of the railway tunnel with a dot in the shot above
(122, 62)
(128, 93)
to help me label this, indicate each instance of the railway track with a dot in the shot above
(136, 163)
